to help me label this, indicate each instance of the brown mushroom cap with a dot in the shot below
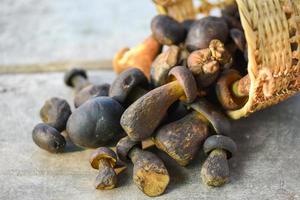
(220, 142)
(89, 92)
(163, 64)
(217, 119)
(186, 80)
(126, 82)
(69, 75)
(103, 153)
(124, 146)
(224, 90)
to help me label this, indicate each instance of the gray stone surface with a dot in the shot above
(266, 166)
(39, 32)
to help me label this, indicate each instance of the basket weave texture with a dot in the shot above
(272, 31)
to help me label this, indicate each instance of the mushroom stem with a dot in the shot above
(241, 87)
(149, 172)
(79, 83)
(107, 177)
(215, 170)
(144, 115)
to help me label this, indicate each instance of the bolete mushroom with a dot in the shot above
(204, 30)
(149, 172)
(232, 90)
(163, 64)
(89, 92)
(104, 159)
(182, 139)
(142, 117)
(129, 86)
(95, 123)
(167, 31)
(206, 64)
(48, 138)
(215, 170)
(56, 112)
(140, 56)
(76, 78)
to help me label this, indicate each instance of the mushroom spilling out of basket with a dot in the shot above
(177, 90)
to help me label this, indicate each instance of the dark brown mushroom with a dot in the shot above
(95, 123)
(239, 38)
(89, 92)
(130, 83)
(48, 138)
(163, 64)
(56, 112)
(215, 170)
(232, 99)
(145, 114)
(205, 30)
(182, 139)
(149, 172)
(167, 30)
(104, 159)
(76, 78)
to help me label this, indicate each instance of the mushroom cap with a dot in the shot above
(48, 138)
(187, 24)
(103, 153)
(89, 92)
(56, 112)
(95, 123)
(224, 87)
(126, 82)
(167, 30)
(167, 2)
(124, 146)
(239, 38)
(69, 75)
(204, 30)
(186, 80)
(163, 64)
(217, 119)
(220, 142)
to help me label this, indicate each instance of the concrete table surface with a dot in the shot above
(266, 166)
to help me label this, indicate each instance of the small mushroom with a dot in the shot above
(140, 56)
(239, 38)
(104, 159)
(76, 78)
(205, 30)
(130, 83)
(182, 139)
(56, 112)
(48, 138)
(215, 170)
(232, 99)
(149, 172)
(167, 31)
(163, 64)
(95, 123)
(142, 117)
(89, 92)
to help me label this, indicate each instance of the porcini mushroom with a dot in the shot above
(76, 78)
(215, 170)
(142, 117)
(149, 172)
(56, 112)
(48, 138)
(140, 56)
(129, 86)
(95, 123)
(104, 159)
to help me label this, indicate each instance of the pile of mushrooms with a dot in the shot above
(170, 93)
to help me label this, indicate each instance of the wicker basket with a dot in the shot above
(272, 31)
